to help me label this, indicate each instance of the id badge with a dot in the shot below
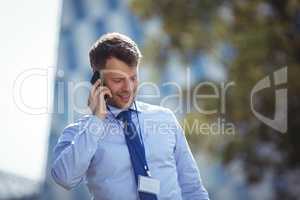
(148, 184)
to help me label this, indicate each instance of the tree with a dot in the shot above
(264, 36)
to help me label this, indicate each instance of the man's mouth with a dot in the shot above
(124, 98)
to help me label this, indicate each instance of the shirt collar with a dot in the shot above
(115, 111)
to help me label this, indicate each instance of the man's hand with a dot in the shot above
(96, 101)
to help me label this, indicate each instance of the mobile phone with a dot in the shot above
(95, 77)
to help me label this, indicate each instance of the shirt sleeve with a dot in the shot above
(74, 151)
(188, 174)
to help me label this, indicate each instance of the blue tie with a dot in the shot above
(136, 151)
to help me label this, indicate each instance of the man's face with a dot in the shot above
(122, 80)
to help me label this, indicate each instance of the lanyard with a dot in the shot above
(143, 155)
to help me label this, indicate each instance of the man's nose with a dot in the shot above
(128, 85)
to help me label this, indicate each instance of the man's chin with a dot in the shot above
(121, 104)
(126, 104)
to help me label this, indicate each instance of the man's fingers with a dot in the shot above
(107, 92)
(104, 91)
(95, 86)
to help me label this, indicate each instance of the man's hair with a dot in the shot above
(114, 45)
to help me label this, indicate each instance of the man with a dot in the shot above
(125, 149)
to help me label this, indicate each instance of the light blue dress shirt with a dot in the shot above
(95, 151)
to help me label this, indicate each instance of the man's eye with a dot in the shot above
(133, 78)
(117, 80)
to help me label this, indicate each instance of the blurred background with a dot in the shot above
(237, 43)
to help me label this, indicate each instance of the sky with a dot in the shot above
(29, 40)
